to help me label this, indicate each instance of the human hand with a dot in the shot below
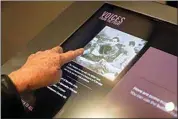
(42, 68)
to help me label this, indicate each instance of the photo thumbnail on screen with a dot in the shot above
(109, 52)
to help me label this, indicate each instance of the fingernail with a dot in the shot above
(81, 50)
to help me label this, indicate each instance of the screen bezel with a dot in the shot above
(122, 8)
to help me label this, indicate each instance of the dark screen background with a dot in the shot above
(160, 35)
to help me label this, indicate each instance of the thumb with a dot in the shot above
(57, 77)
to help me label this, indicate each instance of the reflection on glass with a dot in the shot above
(169, 106)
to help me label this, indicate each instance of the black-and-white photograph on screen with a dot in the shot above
(109, 52)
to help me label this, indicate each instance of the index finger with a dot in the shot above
(70, 55)
(57, 49)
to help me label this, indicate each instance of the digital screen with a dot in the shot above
(128, 69)
(153, 89)
(109, 52)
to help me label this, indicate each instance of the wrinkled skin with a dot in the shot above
(42, 69)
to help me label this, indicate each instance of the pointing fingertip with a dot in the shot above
(81, 50)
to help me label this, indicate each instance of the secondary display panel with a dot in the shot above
(115, 40)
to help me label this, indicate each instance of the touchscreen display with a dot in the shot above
(128, 69)
(109, 52)
(153, 89)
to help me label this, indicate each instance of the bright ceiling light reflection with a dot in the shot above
(96, 114)
(169, 106)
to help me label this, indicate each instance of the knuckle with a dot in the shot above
(39, 52)
(72, 52)
(61, 49)
(47, 51)
(32, 55)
